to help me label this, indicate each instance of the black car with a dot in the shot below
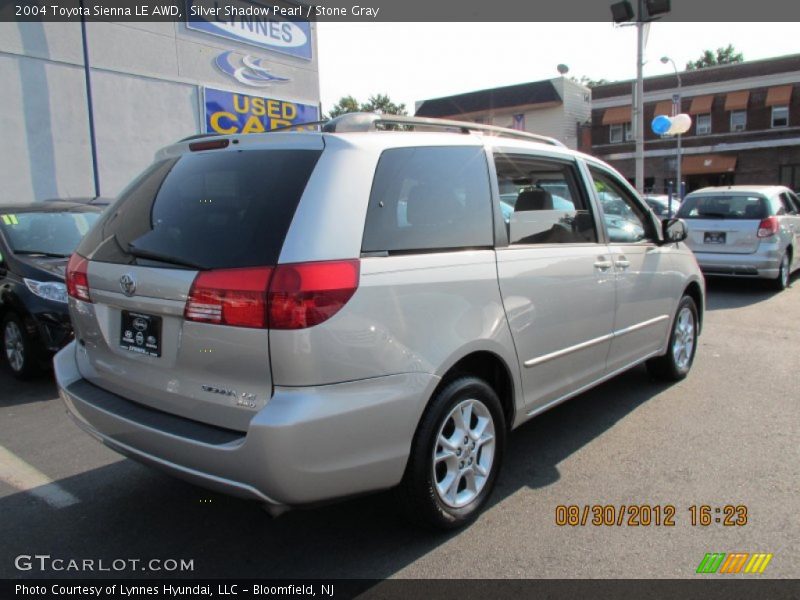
(35, 243)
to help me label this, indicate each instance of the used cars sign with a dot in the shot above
(231, 112)
(251, 23)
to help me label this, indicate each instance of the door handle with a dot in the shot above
(622, 263)
(602, 264)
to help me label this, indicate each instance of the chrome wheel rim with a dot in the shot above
(463, 454)
(785, 271)
(683, 342)
(15, 350)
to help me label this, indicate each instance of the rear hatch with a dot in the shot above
(177, 273)
(723, 223)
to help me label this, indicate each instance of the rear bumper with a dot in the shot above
(763, 263)
(306, 445)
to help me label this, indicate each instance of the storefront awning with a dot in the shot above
(616, 115)
(779, 95)
(737, 100)
(701, 105)
(663, 108)
(708, 163)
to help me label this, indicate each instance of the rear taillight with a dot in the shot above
(78, 278)
(291, 296)
(209, 145)
(236, 297)
(306, 294)
(768, 227)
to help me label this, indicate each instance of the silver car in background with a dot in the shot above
(744, 231)
(296, 317)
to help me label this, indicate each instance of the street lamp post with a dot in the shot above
(676, 109)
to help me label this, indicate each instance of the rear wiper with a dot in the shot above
(40, 253)
(165, 258)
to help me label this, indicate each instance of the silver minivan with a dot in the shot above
(295, 317)
(744, 231)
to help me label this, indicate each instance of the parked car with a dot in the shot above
(744, 231)
(296, 317)
(35, 243)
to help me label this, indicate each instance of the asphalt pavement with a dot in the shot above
(727, 435)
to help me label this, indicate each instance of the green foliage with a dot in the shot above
(723, 56)
(378, 103)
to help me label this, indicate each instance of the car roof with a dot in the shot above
(766, 190)
(48, 206)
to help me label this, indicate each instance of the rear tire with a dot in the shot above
(18, 348)
(455, 456)
(676, 363)
(781, 282)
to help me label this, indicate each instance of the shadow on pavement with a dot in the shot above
(723, 293)
(129, 511)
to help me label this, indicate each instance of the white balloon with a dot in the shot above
(680, 124)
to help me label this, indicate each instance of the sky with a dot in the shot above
(415, 61)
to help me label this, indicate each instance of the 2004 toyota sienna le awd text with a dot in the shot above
(300, 316)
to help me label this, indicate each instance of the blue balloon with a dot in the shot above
(661, 124)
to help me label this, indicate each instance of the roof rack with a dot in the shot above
(370, 121)
(358, 121)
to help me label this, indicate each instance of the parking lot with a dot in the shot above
(728, 434)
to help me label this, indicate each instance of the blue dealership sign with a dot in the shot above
(270, 27)
(232, 112)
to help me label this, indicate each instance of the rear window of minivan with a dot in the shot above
(723, 207)
(210, 210)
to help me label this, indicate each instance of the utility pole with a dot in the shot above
(638, 112)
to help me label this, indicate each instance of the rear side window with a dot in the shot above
(207, 210)
(723, 207)
(433, 198)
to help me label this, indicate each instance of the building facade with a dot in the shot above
(745, 126)
(553, 107)
(152, 84)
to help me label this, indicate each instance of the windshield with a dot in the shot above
(46, 233)
(723, 207)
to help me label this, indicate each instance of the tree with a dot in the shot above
(588, 82)
(723, 56)
(379, 103)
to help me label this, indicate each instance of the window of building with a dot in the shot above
(426, 199)
(621, 132)
(543, 201)
(738, 120)
(703, 125)
(780, 116)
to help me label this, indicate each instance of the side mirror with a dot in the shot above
(674, 231)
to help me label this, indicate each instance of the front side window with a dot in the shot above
(780, 116)
(625, 219)
(738, 120)
(542, 201)
(431, 198)
(703, 124)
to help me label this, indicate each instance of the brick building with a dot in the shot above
(745, 125)
(553, 107)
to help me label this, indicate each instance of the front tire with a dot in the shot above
(18, 347)
(455, 456)
(677, 361)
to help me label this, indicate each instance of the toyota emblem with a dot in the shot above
(128, 284)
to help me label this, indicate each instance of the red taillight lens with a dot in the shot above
(306, 294)
(78, 278)
(209, 145)
(236, 297)
(292, 296)
(768, 227)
